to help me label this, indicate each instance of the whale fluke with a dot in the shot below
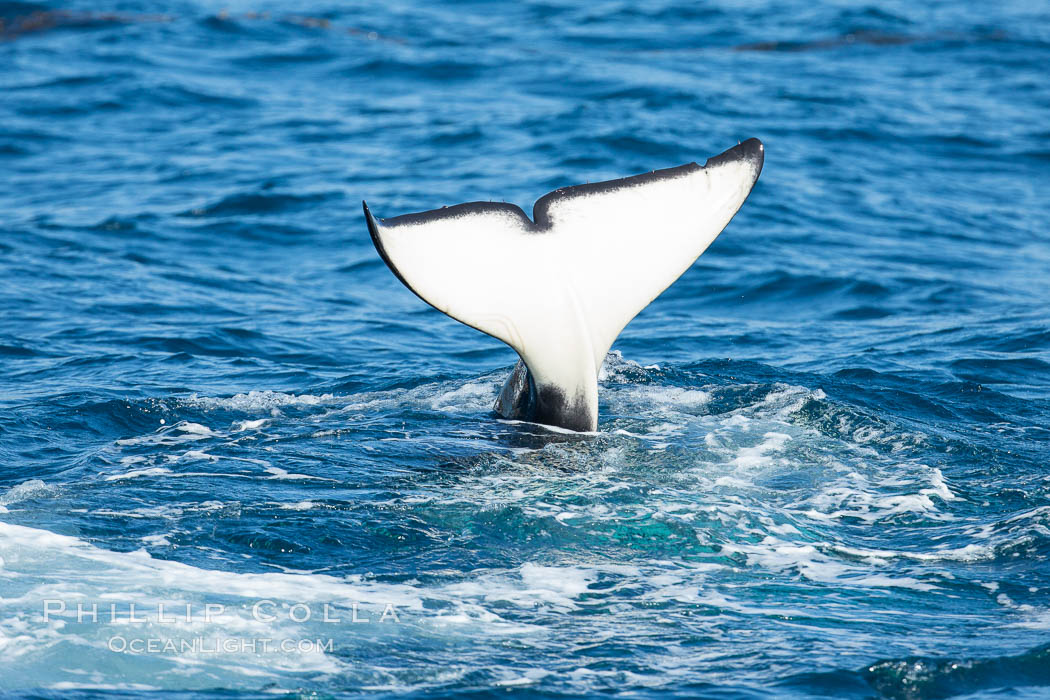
(560, 287)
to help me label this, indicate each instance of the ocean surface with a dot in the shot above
(821, 468)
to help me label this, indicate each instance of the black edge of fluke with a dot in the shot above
(752, 149)
(373, 231)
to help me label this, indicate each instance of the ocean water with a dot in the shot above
(821, 468)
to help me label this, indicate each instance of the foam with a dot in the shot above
(549, 428)
(760, 454)
(193, 428)
(300, 505)
(469, 396)
(856, 496)
(137, 473)
(41, 565)
(966, 553)
(242, 425)
(35, 552)
(530, 677)
(274, 473)
(285, 475)
(181, 432)
(618, 369)
(33, 488)
(256, 401)
(777, 555)
(649, 398)
(692, 502)
(69, 685)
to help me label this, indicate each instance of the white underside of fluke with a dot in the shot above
(559, 290)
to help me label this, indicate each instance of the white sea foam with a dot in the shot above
(694, 489)
(193, 428)
(136, 473)
(648, 399)
(284, 474)
(760, 455)
(616, 368)
(859, 497)
(260, 401)
(33, 488)
(777, 555)
(469, 396)
(242, 425)
(41, 566)
(181, 432)
(299, 505)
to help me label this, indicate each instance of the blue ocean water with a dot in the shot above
(821, 467)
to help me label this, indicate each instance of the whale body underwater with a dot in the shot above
(560, 287)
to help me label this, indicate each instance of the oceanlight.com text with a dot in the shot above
(205, 645)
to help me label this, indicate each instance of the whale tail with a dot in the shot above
(559, 288)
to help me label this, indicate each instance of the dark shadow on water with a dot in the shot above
(927, 678)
